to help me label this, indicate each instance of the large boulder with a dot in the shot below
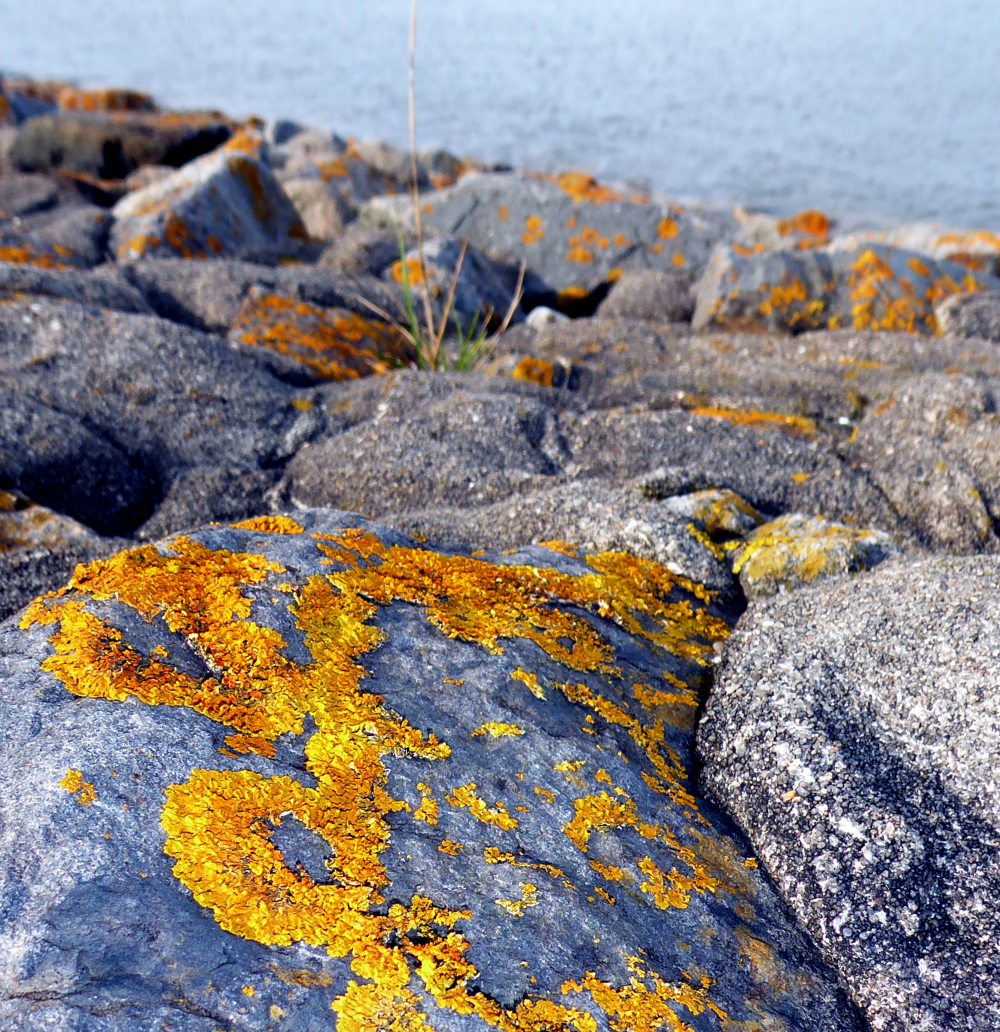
(304, 773)
(68, 237)
(975, 249)
(853, 734)
(871, 287)
(225, 203)
(651, 295)
(970, 315)
(102, 291)
(22, 195)
(111, 145)
(575, 236)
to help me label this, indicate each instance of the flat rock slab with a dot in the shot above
(445, 793)
(854, 735)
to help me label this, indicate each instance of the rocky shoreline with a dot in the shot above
(643, 678)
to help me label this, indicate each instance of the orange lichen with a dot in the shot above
(269, 525)
(677, 893)
(464, 797)
(808, 224)
(73, 782)
(492, 855)
(607, 897)
(333, 344)
(561, 547)
(585, 189)
(71, 98)
(496, 729)
(545, 793)
(666, 229)
(533, 231)
(534, 370)
(798, 425)
(609, 872)
(250, 744)
(428, 809)
(450, 848)
(530, 681)
(517, 907)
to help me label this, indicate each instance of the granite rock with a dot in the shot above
(28, 527)
(651, 295)
(970, 315)
(102, 291)
(853, 734)
(68, 237)
(22, 195)
(447, 792)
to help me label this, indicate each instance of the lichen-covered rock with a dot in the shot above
(575, 235)
(164, 397)
(27, 527)
(303, 343)
(225, 203)
(652, 295)
(970, 315)
(73, 98)
(111, 145)
(481, 298)
(874, 287)
(446, 792)
(66, 238)
(796, 550)
(854, 735)
(933, 449)
(975, 249)
(800, 232)
(362, 251)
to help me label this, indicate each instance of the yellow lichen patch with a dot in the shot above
(530, 680)
(517, 907)
(666, 229)
(602, 776)
(807, 224)
(73, 782)
(533, 231)
(652, 699)
(333, 344)
(609, 872)
(492, 855)
(548, 795)
(250, 744)
(496, 729)
(269, 525)
(450, 848)
(794, 424)
(302, 977)
(674, 889)
(534, 370)
(607, 897)
(368, 1008)
(601, 813)
(561, 547)
(427, 811)
(585, 189)
(464, 797)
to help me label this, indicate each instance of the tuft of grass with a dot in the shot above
(475, 343)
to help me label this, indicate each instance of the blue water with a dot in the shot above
(872, 109)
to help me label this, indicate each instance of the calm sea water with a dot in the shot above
(876, 110)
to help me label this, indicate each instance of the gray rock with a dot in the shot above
(668, 481)
(71, 236)
(26, 194)
(167, 397)
(651, 295)
(970, 315)
(26, 526)
(541, 317)
(61, 463)
(853, 734)
(102, 291)
(361, 251)
(209, 494)
(933, 448)
(503, 832)
(322, 216)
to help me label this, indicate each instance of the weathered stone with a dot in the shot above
(541, 316)
(668, 481)
(167, 397)
(361, 251)
(102, 291)
(481, 296)
(447, 793)
(970, 315)
(853, 734)
(974, 249)
(306, 344)
(208, 494)
(72, 98)
(652, 295)
(759, 232)
(322, 216)
(27, 527)
(72, 237)
(933, 448)
(61, 463)
(111, 146)
(225, 203)
(25, 194)
(575, 235)
(797, 550)
(875, 287)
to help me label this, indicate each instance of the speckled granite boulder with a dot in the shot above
(103, 291)
(575, 235)
(445, 792)
(853, 734)
(971, 315)
(225, 203)
(27, 527)
(796, 550)
(872, 287)
(66, 238)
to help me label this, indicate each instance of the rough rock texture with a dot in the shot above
(306, 344)
(853, 734)
(60, 462)
(362, 251)
(103, 291)
(226, 203)
(66, 237)
(652, 295)
(971, 315)
(446, 793)
(22, 195)
(874, 287)
(796, 550)
(26, 527)
(574, 234)
(974, 249)
(110, 146)
(933, 448)
(166, 397)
